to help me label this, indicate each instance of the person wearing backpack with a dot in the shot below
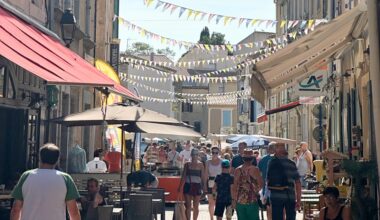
(247, 184)
(283, 181)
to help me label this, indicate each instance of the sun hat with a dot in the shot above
(298, 148)
(248, 153)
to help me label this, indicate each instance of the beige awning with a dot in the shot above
(162, 130)
(306, 55)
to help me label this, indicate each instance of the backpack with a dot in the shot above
(276, 175)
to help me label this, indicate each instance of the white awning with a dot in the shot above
(306, 55)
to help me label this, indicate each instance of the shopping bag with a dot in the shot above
(179, 211)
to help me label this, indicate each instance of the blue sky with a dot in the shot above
(171, 26)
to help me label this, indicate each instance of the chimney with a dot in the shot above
(152, 56)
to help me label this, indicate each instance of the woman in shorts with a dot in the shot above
(193, 179)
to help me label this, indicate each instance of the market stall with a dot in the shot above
(167, 171)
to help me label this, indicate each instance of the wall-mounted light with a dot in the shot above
(68, 27)
(52, 96)
(35, 100)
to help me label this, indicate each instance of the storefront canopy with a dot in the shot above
(283, 108)
(118, 113)
(304, 56)
(164, 130)
(43, 55)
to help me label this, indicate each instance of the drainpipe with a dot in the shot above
(94, 54)
(373, 32)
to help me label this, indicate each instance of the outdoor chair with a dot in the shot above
(158, 208)
(140, 207)
(105, 212)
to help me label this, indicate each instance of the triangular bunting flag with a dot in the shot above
(218, 17)
(174, 7)
(159, 3)
(210, 17)
(189, 13)
(181, 11)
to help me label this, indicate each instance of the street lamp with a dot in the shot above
(68, 27)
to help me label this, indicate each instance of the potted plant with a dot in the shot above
(363, 206)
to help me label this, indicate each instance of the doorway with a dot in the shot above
(13, 145)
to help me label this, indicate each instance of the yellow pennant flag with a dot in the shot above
(229, 48)
(207, 47)
(310, 23)
(120, 20)
(283, 22)
(149, 2)
(294, 34)
(253, 22)
(189, 13)
(226, 19)
(196, 14)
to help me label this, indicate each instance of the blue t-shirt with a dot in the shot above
(263, 166)
(223, 183)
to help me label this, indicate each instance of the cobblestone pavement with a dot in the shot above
(203, 213)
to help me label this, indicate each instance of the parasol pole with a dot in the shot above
(104, 104)
(122, 164)
(133, 151)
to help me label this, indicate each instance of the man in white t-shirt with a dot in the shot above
(44, 193)
(96, 165)
(185, 154)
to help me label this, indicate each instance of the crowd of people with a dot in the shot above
(243, 182)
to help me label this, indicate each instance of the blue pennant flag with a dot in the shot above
(181, 11)
(218, 18)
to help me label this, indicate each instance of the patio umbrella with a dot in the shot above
(235, 138)
(118, 113)
(161, 129)
(115, 114)
(252, 141)
(278, 139)
(167, 130)
(260, 140)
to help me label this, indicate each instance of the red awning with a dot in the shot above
(283, 108)
(43, 55)
(262, 118)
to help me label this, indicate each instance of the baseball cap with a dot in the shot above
(225, 163)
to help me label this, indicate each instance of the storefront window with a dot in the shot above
(2, 81)
(227, 118)
(10, 93)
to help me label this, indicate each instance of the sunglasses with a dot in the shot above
(215, 152)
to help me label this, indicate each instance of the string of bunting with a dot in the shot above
(199, 62)
(187, 45)
(202, 77)
(200, 15)
(207, 101)
(183, 78)
(156, 90)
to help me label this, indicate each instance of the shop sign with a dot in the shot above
(313, 85)
(114, 56)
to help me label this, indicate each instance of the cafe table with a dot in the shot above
(310, 202)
